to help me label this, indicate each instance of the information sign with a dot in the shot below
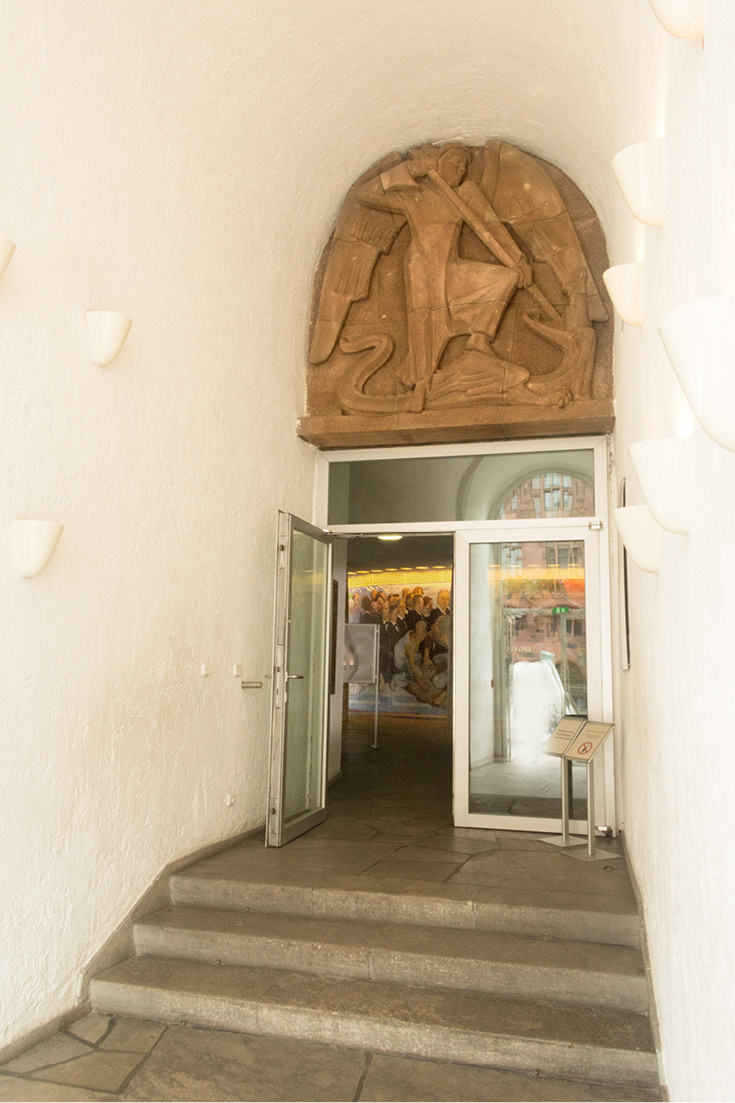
(361, 654)
(588, 741)
(565, 731)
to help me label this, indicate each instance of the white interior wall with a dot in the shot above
(675, 702)
(134, 178)
(184, 163)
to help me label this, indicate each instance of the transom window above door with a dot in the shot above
(503, 485)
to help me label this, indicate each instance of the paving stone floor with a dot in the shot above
(127, 1059)
(397, 803)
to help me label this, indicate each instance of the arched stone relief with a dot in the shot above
(460, 298)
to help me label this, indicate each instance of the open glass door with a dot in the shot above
(300, 701)
(528, 650)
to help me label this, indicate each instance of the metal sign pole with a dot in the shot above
(565, 839)
(591, 809)
(377, 684)
(591, 853)
(566, 777)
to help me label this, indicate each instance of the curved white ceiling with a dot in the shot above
(335, 84)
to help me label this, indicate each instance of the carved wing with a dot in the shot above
(361, 235)
(526, 199)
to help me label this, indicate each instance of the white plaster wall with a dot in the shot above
(136, 176)
(675, 707)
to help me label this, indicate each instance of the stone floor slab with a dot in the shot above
(423, 852)
(92, 1028)
(413, 1080)
(217, 1065)
(98, 1071)
(52, 1051)
(133, 1036)
(14, 1089)
(420, 871)
(452, 842)
(545, 870)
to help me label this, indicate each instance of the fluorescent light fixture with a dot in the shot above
(34, 542)
(681, 18)
(663, 470)
(639, 172)
(641, 536)
(624, 283)
(699, 339)
(391, 536)
(108, 331)
(7, 248)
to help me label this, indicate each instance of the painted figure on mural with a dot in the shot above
(414, 645)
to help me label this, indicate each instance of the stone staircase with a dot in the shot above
(516, 981)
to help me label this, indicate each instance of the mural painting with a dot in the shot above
(415, 623)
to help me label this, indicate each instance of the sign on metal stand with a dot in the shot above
(576, 739)
(361, 661)
(583, 748)
(565, 731)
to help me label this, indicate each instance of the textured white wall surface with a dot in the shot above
(184, 163)
(137, 175)
(675, 704)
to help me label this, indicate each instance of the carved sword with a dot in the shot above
(487, 238)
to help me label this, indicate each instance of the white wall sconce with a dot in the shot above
(641, 536)
(624, 283)
(34, 542)
(639, 172)
(663, 469)
(107, 331)
(699, 339)
(681, 18)
(7, 248)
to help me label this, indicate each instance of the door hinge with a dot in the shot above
(595, 525)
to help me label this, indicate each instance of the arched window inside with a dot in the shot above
(548, 494)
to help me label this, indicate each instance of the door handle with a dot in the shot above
(292, 677)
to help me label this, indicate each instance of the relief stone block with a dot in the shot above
(460, 298)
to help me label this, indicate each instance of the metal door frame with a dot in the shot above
(277, 833)
(599, 664)
(600, 446)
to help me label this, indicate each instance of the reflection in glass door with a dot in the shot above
(528, 638)
(300, 703)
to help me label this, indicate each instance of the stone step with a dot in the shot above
(470, 1027)
(504, 964)
(542, 914)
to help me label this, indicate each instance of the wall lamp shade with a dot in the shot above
(699, 339)
(682, 18)
(7, 248)
(663, 467)
(624, 283)
(639, 172)
(34, 542)
(641, 536)
(107, 331)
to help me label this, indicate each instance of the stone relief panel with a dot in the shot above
(460, 298)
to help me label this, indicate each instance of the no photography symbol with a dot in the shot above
(584, 748)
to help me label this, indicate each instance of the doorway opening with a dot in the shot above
(530, 620)
(397, 730)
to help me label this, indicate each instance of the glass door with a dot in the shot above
(300, 702)
(528, 650)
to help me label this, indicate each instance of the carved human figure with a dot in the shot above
(445, 296)
(432, 194)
